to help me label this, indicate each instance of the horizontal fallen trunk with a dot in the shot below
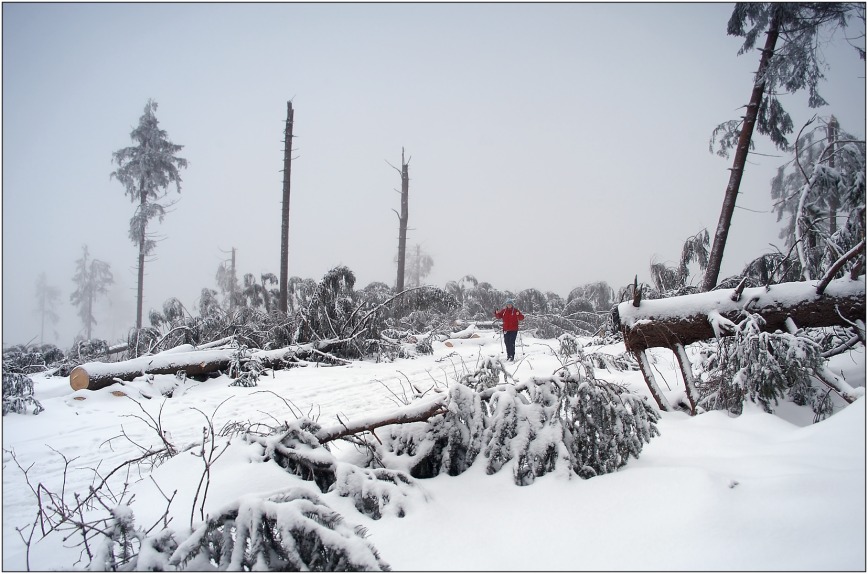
(690, 318)
(97, 375)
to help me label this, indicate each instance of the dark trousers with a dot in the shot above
(509, 341)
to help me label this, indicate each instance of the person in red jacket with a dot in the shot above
(511, 316)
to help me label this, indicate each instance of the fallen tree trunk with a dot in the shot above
(690, 318)
(96, 375)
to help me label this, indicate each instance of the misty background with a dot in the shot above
(550, 145)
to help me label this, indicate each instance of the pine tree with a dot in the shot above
(92, 279)
(789, 63)
(47, 298)
(820, 195)
(418, 267)
(146, 170)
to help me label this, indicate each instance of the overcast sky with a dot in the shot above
(551, 145)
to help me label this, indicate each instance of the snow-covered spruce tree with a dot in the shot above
(325, 315)
(293, 530)
(244, 368)
(762, 367)
(570, 423)
(789, 62)
(92, 279)
(18, 393)
(821, 193)
(146, 170)
(295, 447)
(47, 298)
(674, 281)
(119, 549)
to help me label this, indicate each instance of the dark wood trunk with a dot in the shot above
(663, 322)
(402, 226)
(715, 257)
(284, 214)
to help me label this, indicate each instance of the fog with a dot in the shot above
(535, 132)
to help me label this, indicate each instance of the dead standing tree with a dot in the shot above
(284, 213)
(402, 219)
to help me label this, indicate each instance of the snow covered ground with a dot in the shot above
(712, 492)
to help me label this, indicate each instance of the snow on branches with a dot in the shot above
(567, 424)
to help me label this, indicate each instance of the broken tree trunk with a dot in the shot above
(701, 316)
(678, 321)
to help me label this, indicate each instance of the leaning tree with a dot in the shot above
(789, 62)
(146, 170)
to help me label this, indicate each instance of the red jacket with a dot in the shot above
(510, 317)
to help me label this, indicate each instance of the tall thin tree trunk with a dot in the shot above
(232, 283)
(89, 315)
(402, 232)
(832, 135)
(715, 258)
(141, 281)
(284, 230)
(42, 308)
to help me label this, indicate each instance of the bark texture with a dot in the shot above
(690, 318)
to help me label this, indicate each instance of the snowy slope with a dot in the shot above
(713, 492)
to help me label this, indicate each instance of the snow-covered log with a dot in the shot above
(690, 318)
(465, 333)
(96, 375)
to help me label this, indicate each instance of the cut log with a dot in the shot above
(473, 340)
(95, 375)
(690, 318)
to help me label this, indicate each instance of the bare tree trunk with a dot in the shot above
(89, 322)
(832, 135)
(402, 225)
(715, 258)
(143, 198)
(232, 278)
(141, 281)
(284, 230)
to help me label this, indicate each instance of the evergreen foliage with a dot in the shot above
(92, 279)
(820, 195)
(18, 393)
(762, 367)
(568, 424)
(47, 298)
(244, 368)
(293, 530)
(794, 66)
(146, 170)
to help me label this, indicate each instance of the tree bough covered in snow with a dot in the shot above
(568, 424)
